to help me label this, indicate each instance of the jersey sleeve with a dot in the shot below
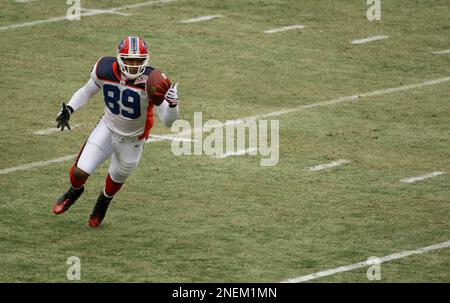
(167, 115)
(82, 96)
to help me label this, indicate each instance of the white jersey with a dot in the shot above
(128, 112)
(127, 109)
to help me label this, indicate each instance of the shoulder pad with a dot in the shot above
(105, 69)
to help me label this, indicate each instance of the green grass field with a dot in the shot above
(199, 219)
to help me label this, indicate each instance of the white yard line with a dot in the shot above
(318, 104)
(284, 28)
(395, 256)
(93, 12)
(202, 18)
(241, 152)
(103, 11)
(23, 1)
(48, 131)
(369, 39)
(32, 23)
(152, 138)
(346, 99)
(140, 4)
(35, 164)
(156, 138)
(443, 52)
(329, 165)
(423, 177)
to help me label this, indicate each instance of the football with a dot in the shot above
(157, 85)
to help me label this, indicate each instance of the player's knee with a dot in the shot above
(122, 172)
(80, 174)
(129, 166)
(127, 169)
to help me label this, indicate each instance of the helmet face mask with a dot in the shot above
(128, 69)
(132, 48)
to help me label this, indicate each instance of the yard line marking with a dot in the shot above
(188, 132)
(369, 39)
(329, 165)
(152, 138)
(156, 138)
(443, 52)
(350, 98)
(241, 152)
(203, 18)
(140, 4)
(105, 11)
(284, 28)
(32, 23)
(23, 1)
(94, 12)
(423, 177)
(318, 104)
(387, 258)
(48, 131)
(35, 164)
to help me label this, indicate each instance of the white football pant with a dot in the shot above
(125, 152)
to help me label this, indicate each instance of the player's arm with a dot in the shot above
(82, 96)
(78, 100)
(169, 110)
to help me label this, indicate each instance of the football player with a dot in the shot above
(124, 127)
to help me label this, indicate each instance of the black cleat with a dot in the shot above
(99, 211)
(67, 199)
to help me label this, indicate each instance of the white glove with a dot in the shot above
(171, 96)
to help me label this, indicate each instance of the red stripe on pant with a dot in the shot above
(111, 187)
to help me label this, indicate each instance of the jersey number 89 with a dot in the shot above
(130, 107)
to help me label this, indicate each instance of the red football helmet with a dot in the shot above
(132, 48)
